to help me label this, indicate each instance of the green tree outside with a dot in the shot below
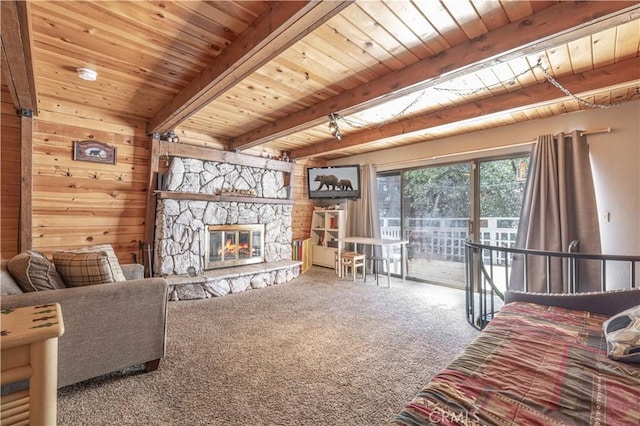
(444, 191)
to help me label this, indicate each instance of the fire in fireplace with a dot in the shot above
(231, 245)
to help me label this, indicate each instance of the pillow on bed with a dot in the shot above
(622, 332)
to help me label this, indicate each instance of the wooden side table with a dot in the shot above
(29, 343)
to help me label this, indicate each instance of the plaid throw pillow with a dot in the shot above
(118, 275)
(81, 269)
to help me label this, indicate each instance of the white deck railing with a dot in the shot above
(444, 238)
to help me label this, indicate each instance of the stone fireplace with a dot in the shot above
(198, 197)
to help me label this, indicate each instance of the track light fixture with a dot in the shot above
(333, 126)
(170, 136)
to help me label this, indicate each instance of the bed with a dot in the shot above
(536, 364)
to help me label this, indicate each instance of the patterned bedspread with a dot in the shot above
(532, 365)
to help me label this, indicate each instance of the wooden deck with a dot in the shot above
(442, 272)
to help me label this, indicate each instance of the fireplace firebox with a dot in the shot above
(232, 245)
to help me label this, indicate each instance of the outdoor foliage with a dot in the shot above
(502, 187)
(445, 191)
(438, 191)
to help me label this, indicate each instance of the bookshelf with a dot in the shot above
(327, 226)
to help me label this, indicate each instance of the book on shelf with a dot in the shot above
(297, 246)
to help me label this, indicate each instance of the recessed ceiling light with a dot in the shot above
(87, 74)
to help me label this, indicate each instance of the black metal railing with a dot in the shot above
(490, 272)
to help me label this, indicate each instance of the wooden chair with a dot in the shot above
(354, 261)
(337, 261)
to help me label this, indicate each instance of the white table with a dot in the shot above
(381, 242)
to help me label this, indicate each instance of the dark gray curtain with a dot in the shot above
(363, 215)
(559, 207)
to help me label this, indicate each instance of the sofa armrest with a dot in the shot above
(601, 302)
(108, 327)
(132, 271)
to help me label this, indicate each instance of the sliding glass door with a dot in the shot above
(432, 208)
(436, 213)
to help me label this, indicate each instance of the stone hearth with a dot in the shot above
(220, 282)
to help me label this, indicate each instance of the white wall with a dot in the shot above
(615, 160)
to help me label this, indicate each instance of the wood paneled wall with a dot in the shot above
(79, 203)
(9, 177)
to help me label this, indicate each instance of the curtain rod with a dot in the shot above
(474, 151)
(593, 132)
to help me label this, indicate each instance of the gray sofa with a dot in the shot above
(108, 327)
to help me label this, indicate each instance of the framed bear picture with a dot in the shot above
(94, 151)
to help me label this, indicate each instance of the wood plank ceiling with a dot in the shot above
(255, 75)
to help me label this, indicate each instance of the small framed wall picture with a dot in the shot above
(94, 151)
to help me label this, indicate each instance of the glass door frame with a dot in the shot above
(475, 208)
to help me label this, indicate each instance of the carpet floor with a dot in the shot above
(316, 351)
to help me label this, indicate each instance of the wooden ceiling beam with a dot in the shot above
(622, 72)
(17, 49)
(279, 27)
(548, 28)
